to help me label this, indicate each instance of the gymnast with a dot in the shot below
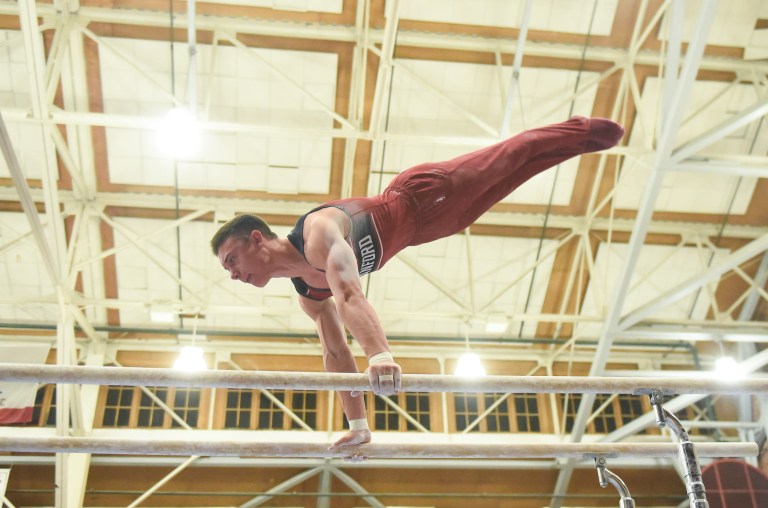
(335, 244)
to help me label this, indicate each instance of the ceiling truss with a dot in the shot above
(67, 223)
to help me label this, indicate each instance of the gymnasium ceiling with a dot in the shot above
(663, 234)
(660, 240)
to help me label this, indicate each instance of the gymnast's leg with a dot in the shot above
(480, 179)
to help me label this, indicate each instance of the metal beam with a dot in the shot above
(718, 132)
(356, 487)
(324, 487)
(716, 332)
(514, 82)
(677, 94)
(282, 486)
(70, 473)
(719, 168)
(297, 208)
(28, 205)
(346, 33)
(384, 76)
(178, 469)
(712, 273)
(356, 103)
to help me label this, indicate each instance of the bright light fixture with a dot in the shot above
(469, 365)
(161, 316)
(179, 134)
(728, 369)
(496, 325)
(190, 359)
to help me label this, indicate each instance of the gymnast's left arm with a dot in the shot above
(340, 265)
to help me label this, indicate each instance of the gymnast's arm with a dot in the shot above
(326, 246)
(337, 357)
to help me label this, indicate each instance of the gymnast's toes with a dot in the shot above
(603, 133)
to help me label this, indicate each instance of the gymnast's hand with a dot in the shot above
(352, 438)
(384, 377)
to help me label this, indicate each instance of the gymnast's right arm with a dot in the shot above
(338, 357)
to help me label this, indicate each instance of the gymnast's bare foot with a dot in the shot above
(352, 438)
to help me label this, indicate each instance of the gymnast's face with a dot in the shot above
(246, 259)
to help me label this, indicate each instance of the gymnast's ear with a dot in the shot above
(257, 236)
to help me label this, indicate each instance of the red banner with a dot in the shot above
(17, 400)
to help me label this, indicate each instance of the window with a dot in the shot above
(572, 402)
(386, 417)
(605, 420)
(238, 411)
(304, 405)
(117, 407)
(186, 404)
(255, 409)
(44, 411)
(151, 413)
(527, 412)
(631, 408)
(505, 412)
(466, 410)
(498, 419)
(50, 420)
(270, 414)
(616, 411)
(417, 405)
(131, 406)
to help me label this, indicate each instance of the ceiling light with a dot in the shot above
(161, 315)
(497, 325)
(728, 369)
(469, 365)
(190, 359)
(178, 135)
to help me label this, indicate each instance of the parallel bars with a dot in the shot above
(139, 376)
(137, 446)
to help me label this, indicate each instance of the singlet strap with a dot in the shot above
(296, 237)
(304, 289)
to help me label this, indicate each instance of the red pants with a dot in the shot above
(449, 196)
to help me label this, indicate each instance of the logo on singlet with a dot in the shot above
(367, 254)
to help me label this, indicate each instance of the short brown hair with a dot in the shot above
(240, 227)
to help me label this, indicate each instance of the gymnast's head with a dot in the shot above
(239, 244)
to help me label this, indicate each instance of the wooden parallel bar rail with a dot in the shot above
(135, 446)
(138, 376)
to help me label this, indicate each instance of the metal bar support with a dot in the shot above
(606, 476)
(686, 452)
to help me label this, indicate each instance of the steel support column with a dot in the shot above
(677, 93)
(384, 76)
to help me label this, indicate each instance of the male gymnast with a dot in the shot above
(335, 244)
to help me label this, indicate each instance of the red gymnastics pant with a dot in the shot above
(449, 196)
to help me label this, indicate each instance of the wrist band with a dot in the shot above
(386, 356)
(358, 424)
